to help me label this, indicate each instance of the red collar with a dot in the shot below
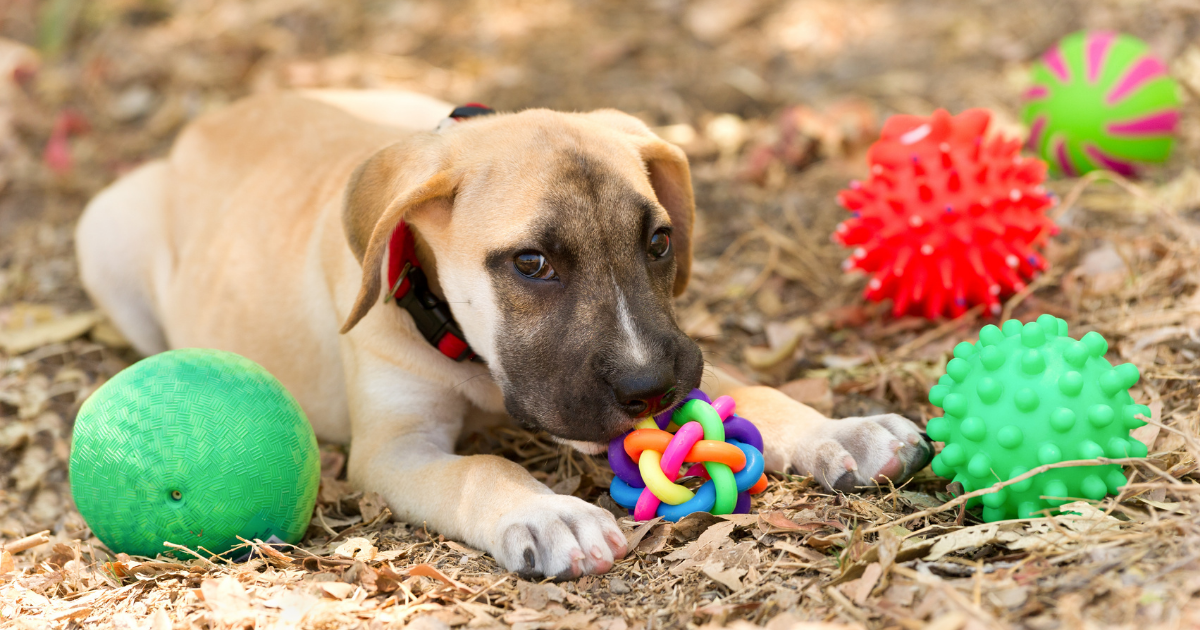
(410, 288)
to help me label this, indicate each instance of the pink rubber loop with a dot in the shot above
(683, 442)
(647, 505)
(724, 407)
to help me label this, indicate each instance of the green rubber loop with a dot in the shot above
(702, 412)
(725, 485)
(714, 429)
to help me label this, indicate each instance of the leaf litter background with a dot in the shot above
(775, 102)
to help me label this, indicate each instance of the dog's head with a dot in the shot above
(559, 241)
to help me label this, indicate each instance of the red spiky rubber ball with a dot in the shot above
(948, 218)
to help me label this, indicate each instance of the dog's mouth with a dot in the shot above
(661, 414)
(583, 446)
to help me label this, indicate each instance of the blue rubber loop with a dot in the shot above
(624, 494)
(706, 495)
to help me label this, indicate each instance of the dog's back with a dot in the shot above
(261, 182)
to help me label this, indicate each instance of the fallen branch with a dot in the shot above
(28, 542)
(963, 498)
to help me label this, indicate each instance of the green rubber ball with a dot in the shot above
(1028, 395)
(1101, 100)
(195, 447)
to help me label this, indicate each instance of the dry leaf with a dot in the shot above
(708, 542)
(293, 605)
(428, 570)
(6, 562)
(800, 552)
(656, 540)
(523, 615)
(160, 620)
(977, 536)
(731, 577)
(953, 620)
(743, 555)
(635, 537)
(1148, 433)
(106, 334)
(538, 596)
(463, 549)
(567, 485)
(788, 621)
(858, 590)
(337, 590)
(814, 392)
(371, 505)
(228, 600)
(779, 521)
(58, 330)
(357, 549)
(574, 621)
(692, 525)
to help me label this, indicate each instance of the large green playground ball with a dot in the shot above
(194, 447)
(1101, 100)
(1028, 395)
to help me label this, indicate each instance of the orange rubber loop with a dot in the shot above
(704, 450)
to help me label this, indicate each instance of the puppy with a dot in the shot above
(552, 243)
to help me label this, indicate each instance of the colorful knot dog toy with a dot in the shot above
(724, 448)
(948, 218)
(1101, 100)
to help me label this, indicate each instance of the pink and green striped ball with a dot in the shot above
(1101, 100)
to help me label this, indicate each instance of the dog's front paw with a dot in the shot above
(854, 453)
(558, 536)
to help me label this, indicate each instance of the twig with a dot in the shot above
(486, 589)
(1018, 297)
(948, 591)
(185, 549)
(937, 333)
(843, 601)
(963, 498)
(28, 542)
(324, 525)
(1081, 185)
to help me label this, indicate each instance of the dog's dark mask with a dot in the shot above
(589, 342)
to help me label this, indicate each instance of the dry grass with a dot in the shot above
(774, 100)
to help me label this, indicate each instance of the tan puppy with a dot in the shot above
(559, 241)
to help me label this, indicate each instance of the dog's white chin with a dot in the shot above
(588, 448)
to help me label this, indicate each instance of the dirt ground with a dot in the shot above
(775, 102)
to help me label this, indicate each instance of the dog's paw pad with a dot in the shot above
(857, 453)
(547, 536)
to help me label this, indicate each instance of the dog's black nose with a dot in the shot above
(646, 391)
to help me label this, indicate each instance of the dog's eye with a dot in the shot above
(660, 244)
(534, 265)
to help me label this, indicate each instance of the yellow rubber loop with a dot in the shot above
(651, 468)
(648, 423)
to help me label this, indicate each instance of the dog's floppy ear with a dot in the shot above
(671, 178)
(389, 185)
(672, 182)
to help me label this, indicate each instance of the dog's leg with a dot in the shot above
(120, 244)
(488, 502)
(843, 455)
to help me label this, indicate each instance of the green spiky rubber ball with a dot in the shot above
(194, 447)
(1028, 395)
